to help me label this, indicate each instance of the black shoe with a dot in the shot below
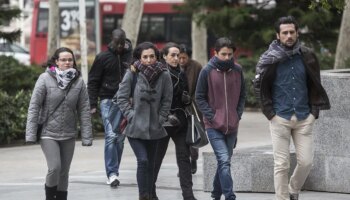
(193, 166)
(293, 196)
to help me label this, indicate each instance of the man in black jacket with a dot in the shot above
(104, 77)
(288, 86)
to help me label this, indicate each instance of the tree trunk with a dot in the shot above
(132, 19)
(199, 42)
(342, 55)
(54, 31)
(83, 40)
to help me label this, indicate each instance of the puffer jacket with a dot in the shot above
(265, 76)
(62, 124)
(149, 106)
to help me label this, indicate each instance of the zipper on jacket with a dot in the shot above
(226, 103)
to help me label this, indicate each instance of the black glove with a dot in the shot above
(173, 120)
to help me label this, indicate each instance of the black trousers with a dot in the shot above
(182, 159)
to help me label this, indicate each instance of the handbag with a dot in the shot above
(41, 125)
(196, 135)
(115, 117)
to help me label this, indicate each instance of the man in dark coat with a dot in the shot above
(104, 77)
(288, 86)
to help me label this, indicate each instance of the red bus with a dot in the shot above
(160, 23)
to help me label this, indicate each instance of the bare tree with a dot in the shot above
(343, 47)
(132, 19)
(53, 34)
(199, 41)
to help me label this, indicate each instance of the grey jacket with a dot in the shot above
(62, 124)
(149, 107)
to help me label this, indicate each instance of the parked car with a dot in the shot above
(15, 50)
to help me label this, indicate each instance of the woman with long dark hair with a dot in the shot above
(58, 101)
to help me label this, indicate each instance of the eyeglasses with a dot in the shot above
(66, 59)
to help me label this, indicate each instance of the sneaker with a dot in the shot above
(293, 196)
(193, 166)
(113, 181)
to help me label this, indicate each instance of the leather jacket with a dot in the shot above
(265, 76)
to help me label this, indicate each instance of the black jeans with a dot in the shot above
(145, 152)
(182, 158)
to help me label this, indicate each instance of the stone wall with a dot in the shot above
(252, 169)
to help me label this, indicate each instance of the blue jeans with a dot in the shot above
(145, 152)
(114, 142)
(223, 147)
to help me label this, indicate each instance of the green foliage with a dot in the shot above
(327, 4)
(13, 109)
(7, 14)
(14, 76)
(253, 26)
(248, 65)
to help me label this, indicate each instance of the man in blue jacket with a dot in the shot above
(105, 75)
(220, 96)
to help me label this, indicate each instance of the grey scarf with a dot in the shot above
(277, 53)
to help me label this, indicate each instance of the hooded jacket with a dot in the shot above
(62, 124)
(220, 96)
(107, 72)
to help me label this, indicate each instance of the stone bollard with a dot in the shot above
(331, 169)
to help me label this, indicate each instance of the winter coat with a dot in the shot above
(265, 77)
(178, 106)
(220, 96)
(149, 106)
(62, 124)
(107, 72)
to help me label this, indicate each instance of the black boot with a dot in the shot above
(50, 192)
(144, 197)
(61, 195)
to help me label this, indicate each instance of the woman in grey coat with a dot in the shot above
(59, 99)
(144, 97)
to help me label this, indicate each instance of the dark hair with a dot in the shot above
(144, 46)
(286, 20)
(166, 48)
(185, 49)
(52, 61)
(224, 42)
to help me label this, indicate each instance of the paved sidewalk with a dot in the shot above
(23, 169)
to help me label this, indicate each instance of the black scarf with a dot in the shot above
(222, 65)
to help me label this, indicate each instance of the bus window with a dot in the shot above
(180, 27)
(152, 29)
(110, 22)
(43, 21)
(156, 28)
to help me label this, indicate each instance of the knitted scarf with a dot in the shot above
(151, 72)
(222, 65)
(278, 53)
